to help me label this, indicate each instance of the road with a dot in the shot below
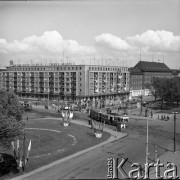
(93, 165)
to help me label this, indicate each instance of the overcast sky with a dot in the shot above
(112, 32)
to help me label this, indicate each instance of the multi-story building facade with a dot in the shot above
(1, 84)
(141, 75)
(66, 81)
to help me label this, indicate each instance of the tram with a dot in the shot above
(108, 118)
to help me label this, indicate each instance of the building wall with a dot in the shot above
(148, 77)
(140, 80)
(59, 81)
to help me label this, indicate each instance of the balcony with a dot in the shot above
(27, 74)
(73, 92)
(61, 93)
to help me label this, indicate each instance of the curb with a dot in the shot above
(114, 136)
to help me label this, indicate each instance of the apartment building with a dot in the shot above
(66, 81)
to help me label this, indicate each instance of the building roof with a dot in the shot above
(135, 71)
(145, 66)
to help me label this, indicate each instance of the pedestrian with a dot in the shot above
(27, 118)
(151, 114)
(158, 116)
(164, 117)
(161, 117)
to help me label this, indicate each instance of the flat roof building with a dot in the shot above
(66, 81)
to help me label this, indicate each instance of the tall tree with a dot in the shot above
(11, 125)
(176, 90)
(167, 89)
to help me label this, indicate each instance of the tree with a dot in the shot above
(175, 90)
(167, 89)
(152, 90)
(141, 98)
(11, 124)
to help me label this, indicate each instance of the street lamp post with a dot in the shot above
(147, 147)
(24, 148)
(174, 130)
(48, 98)
(141, 98)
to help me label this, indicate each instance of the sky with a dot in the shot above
(113, 32)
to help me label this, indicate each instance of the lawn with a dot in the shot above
(54, 141)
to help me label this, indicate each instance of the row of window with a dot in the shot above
(40, 73)
(108, 68)
(44, 68)
(65, 68)
(46, 90)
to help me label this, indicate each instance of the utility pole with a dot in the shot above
(48, 98)
(147, 149)
(174, 130)
(24, 149)
(141, 97)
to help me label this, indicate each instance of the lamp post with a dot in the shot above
(141, 97)
(147, 146)
(24, 148)
(174, 130)
(48, 98)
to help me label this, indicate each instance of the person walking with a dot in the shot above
(151, 114)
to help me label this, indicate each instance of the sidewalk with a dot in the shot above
(114, 137)
(168, 157)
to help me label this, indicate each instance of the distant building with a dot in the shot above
(67, 81)
(175, 72)
(1, 69)
(142, 74)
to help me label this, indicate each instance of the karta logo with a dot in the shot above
(115, 167)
